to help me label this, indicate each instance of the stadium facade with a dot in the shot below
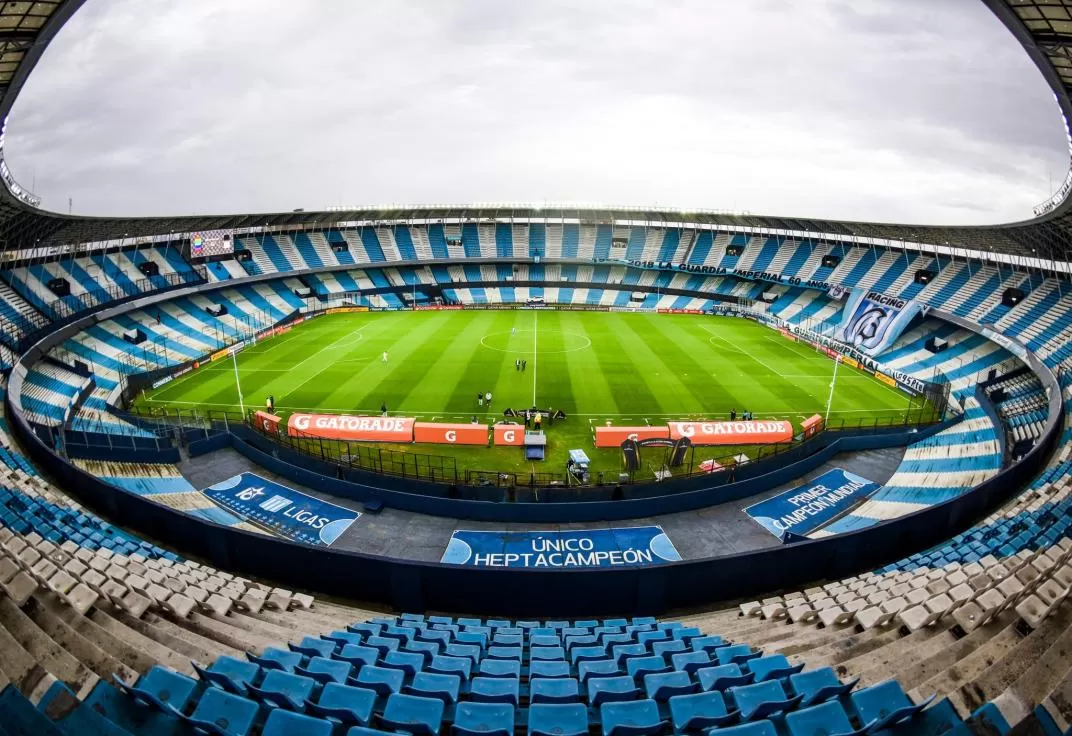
(966, 546)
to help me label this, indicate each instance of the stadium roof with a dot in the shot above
(1043, 27)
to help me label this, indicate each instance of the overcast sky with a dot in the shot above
(893, 110)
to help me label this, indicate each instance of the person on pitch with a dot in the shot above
(733, 415)
(517, 364)
(383, 409)
(384, 359)
(537, 420)
(487, 398)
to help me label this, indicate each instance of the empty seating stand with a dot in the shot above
(437, 674)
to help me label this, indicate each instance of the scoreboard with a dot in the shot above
(208, 243)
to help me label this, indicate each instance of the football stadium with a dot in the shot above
(543, 470)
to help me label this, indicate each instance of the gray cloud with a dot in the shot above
(895, 110)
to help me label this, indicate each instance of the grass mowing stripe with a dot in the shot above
(461, 363)
(376, 383)
(589, 393)
(700, 364)
(623, 376)
(666, 379)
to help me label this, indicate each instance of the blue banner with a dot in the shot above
(810, 507)
(289, 513)
(872, 322)
(642, 545)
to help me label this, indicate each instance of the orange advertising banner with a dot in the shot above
(365, 429)
(614, 436)
(885, 379)
(733, 433)
(511, 435)
(266, 422)
(450, 434)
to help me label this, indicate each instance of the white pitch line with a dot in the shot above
(746, 354)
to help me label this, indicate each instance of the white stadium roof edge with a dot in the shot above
(1043, 27)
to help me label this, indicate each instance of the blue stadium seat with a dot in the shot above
(231, 674)
(160, 688)
(412, 714)
(436, 685)
(500, 652)
(549, 668)
(596, 668)
(500, 668)
(763, 699)
(637, 718)
(639, 667)
(495, 690)
(547, 653)
(558, 720)
(823, 719)
(363, 731)
(662, 686)
(484, 719)
(736, 654)
(476, 638)
(758, 728)
(692, 713)
(343, 703)
(222, 713)
(276, 659)
(586, 653)
(707, 643)
(437, 636)
(690, 661)
(409, 663)
(819, 685)
(447, 665)
(310, 646)
(325, 670)
(342, 638)
(723, 677)
(366, 629)
(886, 704)
(284, 690)
(772, 667)
(285, 723)
(358, 656)
(382, 680)
(427, 649)
(622, 652)
(610, 689)
(383, 644)
(472, 652)
(670, 646)
(554, 690)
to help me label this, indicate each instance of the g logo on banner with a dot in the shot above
(450, 436)
(301, 422)
(508, 435)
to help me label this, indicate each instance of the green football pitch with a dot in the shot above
(598, 367)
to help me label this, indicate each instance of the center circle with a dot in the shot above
(520, 341)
